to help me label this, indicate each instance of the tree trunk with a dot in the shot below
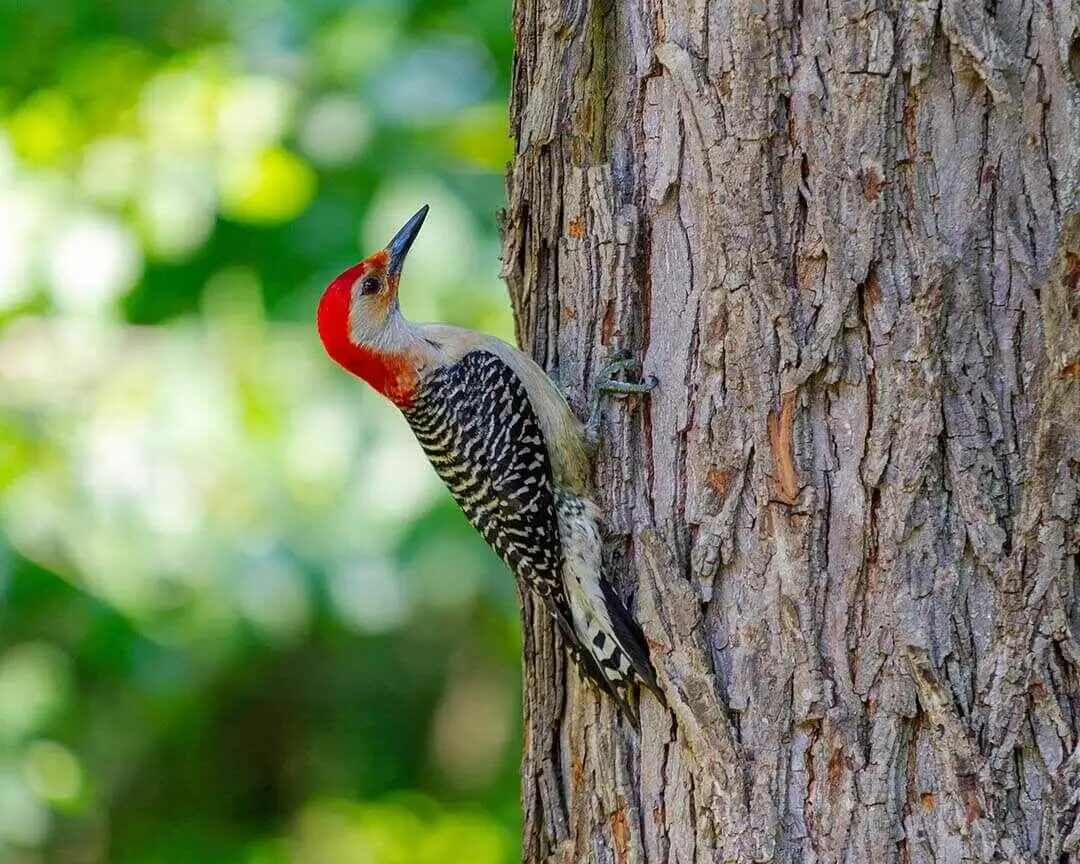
(849, 517)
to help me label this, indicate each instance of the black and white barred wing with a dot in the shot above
(475, 423)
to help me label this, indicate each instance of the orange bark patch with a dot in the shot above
(927, 799)
(587, 120)
(873, 286)
(607, 324)
(576, 772)
(969, 789)
(835, 772)
(719, 480)
(1072, 272)
(717, 330)
(577, 228)
(874, 184)
(972, 805)
(1072, 284)
(619, 832)
(1070, 371)
(910, 124)
(809, 273)
(780, 442)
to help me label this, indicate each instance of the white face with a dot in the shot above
(373, 306)
(374, 318)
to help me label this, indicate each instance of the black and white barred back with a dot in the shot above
(491, 454)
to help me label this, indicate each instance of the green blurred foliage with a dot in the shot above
(240, 621)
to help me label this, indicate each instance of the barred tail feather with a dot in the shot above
(611, 647)
(631, 639)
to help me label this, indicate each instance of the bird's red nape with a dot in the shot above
(394, 376)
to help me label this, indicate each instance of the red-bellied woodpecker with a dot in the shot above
(506, 444)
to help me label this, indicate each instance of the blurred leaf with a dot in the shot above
(271, 186)
(44, 128)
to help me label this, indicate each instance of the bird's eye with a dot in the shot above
(370, 285)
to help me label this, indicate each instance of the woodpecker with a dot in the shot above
(501, 436)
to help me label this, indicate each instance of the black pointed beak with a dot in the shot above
(403, 240)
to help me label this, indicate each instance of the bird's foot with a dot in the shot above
(608, 384)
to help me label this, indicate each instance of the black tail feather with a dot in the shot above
(630, 637)
(632, 640)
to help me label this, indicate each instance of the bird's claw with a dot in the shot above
(622, 361)
(628, 388)
(607, 384)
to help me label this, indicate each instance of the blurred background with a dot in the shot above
(240, 621)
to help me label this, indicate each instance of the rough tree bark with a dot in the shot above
(840, 235)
